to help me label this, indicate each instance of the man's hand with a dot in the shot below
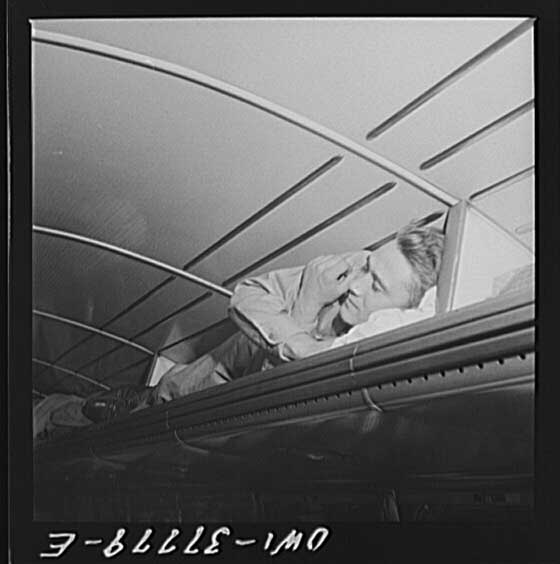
(324, 280)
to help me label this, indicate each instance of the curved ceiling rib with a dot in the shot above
(132, 255)
(272, 205)
(504, 183)
(368, 198)
(188, 305)
(426, 220)
(193, 335)
(91, 329)
(241, 95)
(478, 135)
(251, 220)
(335, 218)
(124, 369)
(71, 373)
(355, 206)
(451, 78)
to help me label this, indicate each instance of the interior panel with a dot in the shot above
(50, 342)
(50, 381)
(472, 102)
(372, 61)
(121, 358)
(76, 357)
(520, 198)
(490, 160)
(168, 206)
(83, 283)
(133, 373)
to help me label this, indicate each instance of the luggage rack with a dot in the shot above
(480, 348)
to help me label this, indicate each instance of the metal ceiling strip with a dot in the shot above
(335, 218)
(188, 305)
(303, 183)
(103, 355)
(253, 100)
(281, 250)
(259, 214)
(71, 373)
(247, 223)
(504, 183)
(478, 135)
(72, 348)
(451, 78)
(355, 206)
(420, 223)
(124, 369)
(194, 335)
(290, 192)
(134, 256)
(95, 330)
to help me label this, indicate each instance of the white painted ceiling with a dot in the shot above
(165, 168)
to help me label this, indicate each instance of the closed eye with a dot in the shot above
(376, 284)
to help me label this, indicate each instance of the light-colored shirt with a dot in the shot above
(262, 307)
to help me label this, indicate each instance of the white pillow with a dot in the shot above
(387, 319)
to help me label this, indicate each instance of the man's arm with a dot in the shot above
(261, 306)
(303, 345)
(279, 310)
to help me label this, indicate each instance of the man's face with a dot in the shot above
(383, 282)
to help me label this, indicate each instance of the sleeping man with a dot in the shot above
(294, 313)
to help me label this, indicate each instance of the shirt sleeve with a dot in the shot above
(261, 307)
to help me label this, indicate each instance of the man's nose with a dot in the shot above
(358, 285)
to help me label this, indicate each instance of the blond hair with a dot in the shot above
(423, 248)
